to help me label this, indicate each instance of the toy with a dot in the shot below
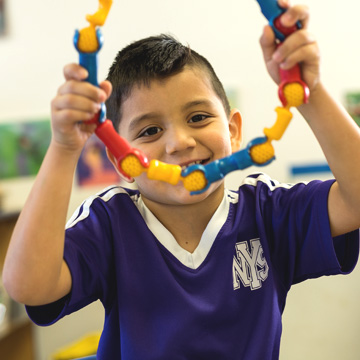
(260, 152)
(131, 162)
(197, 178)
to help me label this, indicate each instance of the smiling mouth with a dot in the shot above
(197, 162)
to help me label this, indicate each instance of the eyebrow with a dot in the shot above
(134, 123)
(191, 104)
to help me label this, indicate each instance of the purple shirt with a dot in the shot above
(227, 306)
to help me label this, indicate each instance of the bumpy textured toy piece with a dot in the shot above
(197, 178)
(89, 59)
(88, 42)
(292, 90)
(259, 152)
(132, 162)
(120, 149)
(155, 170)
(298, 92)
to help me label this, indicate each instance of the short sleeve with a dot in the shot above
(295, 221)
(89, 256)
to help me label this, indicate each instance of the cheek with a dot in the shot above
(219, 141)
(151, 151)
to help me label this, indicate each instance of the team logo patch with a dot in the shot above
(250, 267)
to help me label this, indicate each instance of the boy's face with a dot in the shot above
(179, 120)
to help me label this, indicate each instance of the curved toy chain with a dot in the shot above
(132, 162)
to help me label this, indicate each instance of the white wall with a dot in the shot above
(322, 317)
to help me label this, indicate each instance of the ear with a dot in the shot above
(235, 129)
(113, 160)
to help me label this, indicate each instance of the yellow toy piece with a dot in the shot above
(99, 18)
(169, 173)
(284, 117)
(157, 170)
(88, 41)
(131, 165)
(161, 171)
(262, 153)
(294, 94)
(195, 181)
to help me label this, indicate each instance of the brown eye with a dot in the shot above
(151, 131)
(198, 118)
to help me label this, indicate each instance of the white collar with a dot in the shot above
(195, 259)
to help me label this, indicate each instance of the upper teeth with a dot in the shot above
(197, 162)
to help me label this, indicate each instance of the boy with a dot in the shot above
(180, 276)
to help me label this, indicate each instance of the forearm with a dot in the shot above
(337, 134)
(34, 270)
(339, 138)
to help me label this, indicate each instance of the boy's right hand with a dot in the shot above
(76, 102)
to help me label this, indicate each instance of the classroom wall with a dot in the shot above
(321, 320)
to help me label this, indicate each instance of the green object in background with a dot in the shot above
(353, 105)
(22, 147)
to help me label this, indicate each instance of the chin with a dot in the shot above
(179, 195)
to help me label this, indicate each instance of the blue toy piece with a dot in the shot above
(271, 10)
(89, 60)
(217, 169)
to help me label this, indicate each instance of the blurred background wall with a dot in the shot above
(321, 320)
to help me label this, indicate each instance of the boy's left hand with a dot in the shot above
(299, 47)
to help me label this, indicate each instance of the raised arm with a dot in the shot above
(336, 132)
(339, 138)
(34, 271)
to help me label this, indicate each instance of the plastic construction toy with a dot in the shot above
(131, 162)
(292, 91)
(197, 178)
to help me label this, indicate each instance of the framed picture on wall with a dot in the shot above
(94, 168)
(2, 17)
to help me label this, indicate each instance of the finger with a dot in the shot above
(284, 3)
(76, 102)
(75, 72)
(71, 116)
(294, 14)
(308, 54)
(107, 87)
(297, 40)
(86, 127)
(267, 42)
(83, 88)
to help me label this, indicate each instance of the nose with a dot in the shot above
(179, 139)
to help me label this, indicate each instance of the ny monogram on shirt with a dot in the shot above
(249, 265)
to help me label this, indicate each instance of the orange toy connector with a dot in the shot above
(284, 117)
(294, 95)
(88, 42)
(98, 19)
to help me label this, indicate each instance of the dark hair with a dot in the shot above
(152, 58)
